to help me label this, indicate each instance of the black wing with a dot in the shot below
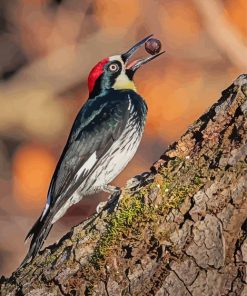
(99, 123)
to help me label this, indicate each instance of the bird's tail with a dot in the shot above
(38, 232)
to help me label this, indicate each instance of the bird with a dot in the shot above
(103, 139)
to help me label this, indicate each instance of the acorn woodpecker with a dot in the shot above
(104, 137)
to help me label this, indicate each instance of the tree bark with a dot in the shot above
(179, 229)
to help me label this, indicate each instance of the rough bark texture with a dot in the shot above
(180, 229)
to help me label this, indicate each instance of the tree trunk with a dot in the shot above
(178, 230)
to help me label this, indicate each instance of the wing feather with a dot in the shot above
(92, 135)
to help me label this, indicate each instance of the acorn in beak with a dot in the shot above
(136, 64)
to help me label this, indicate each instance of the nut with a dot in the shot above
(153, 46)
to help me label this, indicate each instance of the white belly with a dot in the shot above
(112, 163)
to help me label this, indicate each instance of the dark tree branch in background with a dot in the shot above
(181, 231)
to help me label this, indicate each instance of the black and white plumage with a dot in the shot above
(103, 139)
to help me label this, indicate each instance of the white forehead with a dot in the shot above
(116, 58)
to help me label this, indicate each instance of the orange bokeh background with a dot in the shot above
(32, 169)
(47, 50)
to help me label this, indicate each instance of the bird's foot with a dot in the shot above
(115, 193)
(133, 184)
(111, 189)
(137, 181)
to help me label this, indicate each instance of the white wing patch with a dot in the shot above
(47, 205)
(87, 165)
(45, 210)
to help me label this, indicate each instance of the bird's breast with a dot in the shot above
(120, 153)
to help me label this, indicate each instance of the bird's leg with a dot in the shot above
(114, 194)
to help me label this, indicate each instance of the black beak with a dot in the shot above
(138, 63)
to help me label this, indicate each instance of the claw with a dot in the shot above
(137, 180)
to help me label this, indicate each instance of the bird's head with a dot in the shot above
(116, 72)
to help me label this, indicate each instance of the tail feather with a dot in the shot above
(34, 229)
(38, 232)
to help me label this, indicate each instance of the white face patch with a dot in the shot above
(116, 58)
(122, 81)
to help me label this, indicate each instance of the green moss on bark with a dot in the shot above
(138, 207)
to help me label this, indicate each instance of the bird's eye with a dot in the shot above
(114, 67)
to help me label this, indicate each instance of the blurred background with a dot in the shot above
(47, 48)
